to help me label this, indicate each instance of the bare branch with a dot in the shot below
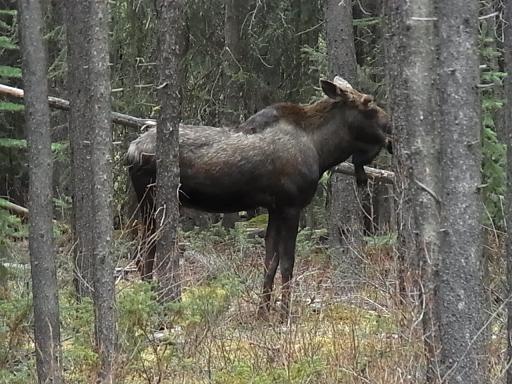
(386, 177)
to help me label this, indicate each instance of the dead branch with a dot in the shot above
(14, 208)
(55, 102)
(386, 177)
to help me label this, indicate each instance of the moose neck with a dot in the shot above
(332, 139)
(326, 125)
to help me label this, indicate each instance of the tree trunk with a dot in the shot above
(101, 163)
(235, 12)
(81, 132)
(490, 13)
(91, 138)
(42, 253)
(171, 21)
(460, 280)
(508, 141)
(345, 212)
(395, 57)
(421, 163)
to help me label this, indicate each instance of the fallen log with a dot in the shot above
(14, 208)
(136, 122)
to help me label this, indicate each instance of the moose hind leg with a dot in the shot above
(288, 238)
(271, 263)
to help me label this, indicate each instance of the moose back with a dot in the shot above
(273, 160)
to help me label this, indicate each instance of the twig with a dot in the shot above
(488, 16)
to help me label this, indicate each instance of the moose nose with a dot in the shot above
(389, 145)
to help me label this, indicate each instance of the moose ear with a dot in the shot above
(330, 89)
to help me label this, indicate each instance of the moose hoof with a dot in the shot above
(362, 181)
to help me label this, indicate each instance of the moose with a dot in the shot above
(273, 160)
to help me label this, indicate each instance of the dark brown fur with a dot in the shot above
(274, 160)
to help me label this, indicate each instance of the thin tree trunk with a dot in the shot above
(80, 131)
(101, 162)
(42, 253)
(345, 211)
(235, 11)
(508, 140)
(460, 280)
(489, 41)
(171, 21)
(395, 57)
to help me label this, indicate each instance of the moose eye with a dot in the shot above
(370, 113)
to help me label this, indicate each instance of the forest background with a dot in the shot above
(350, 327)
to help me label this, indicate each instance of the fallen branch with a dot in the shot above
(14, 208)
(135, 122)
(381, 175)
(55, 102)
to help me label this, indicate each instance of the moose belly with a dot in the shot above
(238, 195)
(214, 202)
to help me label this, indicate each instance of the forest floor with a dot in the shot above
(342, 330)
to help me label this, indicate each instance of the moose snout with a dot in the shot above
(389, 145)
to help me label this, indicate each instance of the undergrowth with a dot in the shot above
(213, 336)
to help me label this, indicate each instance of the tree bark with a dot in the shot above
(235, 11)
(171, 30)
(345, 210)
(395, 58)
(507, 18)
(42, 253)
(101, 164)
(460, 280)
(91, 146)
(422, 168)
(81, 132)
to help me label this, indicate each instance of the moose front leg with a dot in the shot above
(360, 159)
(271, 263)
(361, 176)
(288, 238)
